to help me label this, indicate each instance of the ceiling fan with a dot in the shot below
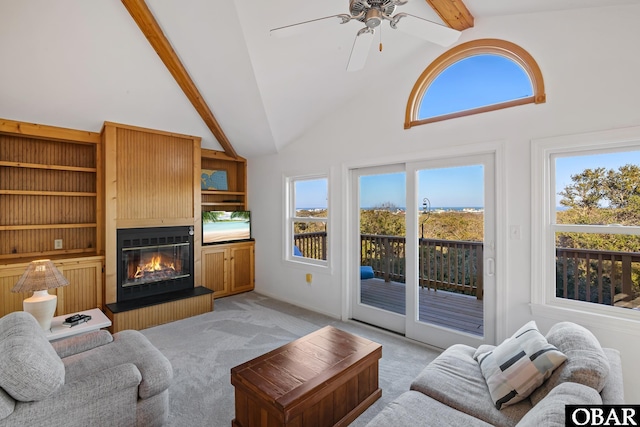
(372, 13)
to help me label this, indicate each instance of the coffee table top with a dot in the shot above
(305, 365)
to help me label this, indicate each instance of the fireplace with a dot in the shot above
(154, 261)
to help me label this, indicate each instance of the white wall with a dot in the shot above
(590, 65)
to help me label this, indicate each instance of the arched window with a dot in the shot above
(474, 77)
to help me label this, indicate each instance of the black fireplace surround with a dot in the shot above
(154, 261)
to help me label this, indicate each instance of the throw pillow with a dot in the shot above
(519, 365)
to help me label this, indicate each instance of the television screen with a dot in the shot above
(225, 226)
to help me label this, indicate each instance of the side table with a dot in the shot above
(58, 330)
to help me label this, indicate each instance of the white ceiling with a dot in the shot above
(78, 63)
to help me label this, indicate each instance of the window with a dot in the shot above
(307, 219)
(587, 222)
(475, 77)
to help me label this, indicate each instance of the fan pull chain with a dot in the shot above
(380, 47)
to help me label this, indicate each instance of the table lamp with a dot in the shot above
(40, 276)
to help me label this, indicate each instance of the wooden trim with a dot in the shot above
(149, 130)
(486, 108)
(47, 193)
(48, 132)
(197, 214)
(46, 227)
(153, 222)
(220, 155)
(465, 50)
(145, 20)
(50, 167)
(51, 254)
(454, 13)
(110, 156)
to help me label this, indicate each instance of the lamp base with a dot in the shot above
(42, 306)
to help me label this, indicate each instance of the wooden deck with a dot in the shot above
(442, 308)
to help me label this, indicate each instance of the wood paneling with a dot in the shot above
(147, 317)
(155, 175)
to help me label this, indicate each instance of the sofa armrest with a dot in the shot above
(613, 391)
(107, 397)
(550, 411)
(81, 343)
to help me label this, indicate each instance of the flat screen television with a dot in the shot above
(225, 226)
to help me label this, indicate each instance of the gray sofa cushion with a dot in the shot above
(586, 362)
(31, 369)
(454, 378)
(550, 412)
(127, 347)
(413, 408)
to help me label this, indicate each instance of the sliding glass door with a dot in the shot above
(424, 233)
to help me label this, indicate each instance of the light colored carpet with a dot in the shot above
(204, 348)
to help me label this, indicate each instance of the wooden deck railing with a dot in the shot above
(443, 264)
(312, 245)
(613, 277)
(603, 277)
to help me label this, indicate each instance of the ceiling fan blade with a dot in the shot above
(360, 50)
(425, 29)
(301, 27)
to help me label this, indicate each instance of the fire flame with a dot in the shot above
(156, 264)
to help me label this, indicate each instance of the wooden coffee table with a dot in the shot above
(326, 378)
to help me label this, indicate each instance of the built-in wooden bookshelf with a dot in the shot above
(49, 192)
(235, 197)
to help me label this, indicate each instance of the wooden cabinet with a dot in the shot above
(228, 269)
(235, 197)
(83, 292)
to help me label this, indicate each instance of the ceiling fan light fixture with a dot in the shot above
(373, 18)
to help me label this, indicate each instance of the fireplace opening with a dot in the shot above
(153, 261)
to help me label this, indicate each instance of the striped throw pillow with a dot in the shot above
(519, 365)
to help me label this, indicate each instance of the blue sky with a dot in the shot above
(447, 187)
(474, 82)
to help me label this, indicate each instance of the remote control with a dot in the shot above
(73, 318)
(76, 320)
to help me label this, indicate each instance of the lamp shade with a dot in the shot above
(40, 275)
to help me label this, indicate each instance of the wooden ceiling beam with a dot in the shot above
(453, 12)
(142, 15)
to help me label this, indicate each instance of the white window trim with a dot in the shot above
(543, 299)
(290, 218)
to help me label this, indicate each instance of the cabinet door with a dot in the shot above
(84, 291)
(215, 270)
(242, 267)
(10, 301)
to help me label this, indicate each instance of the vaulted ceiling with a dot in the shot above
(77, 63)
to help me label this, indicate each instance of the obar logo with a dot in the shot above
(602, 415)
